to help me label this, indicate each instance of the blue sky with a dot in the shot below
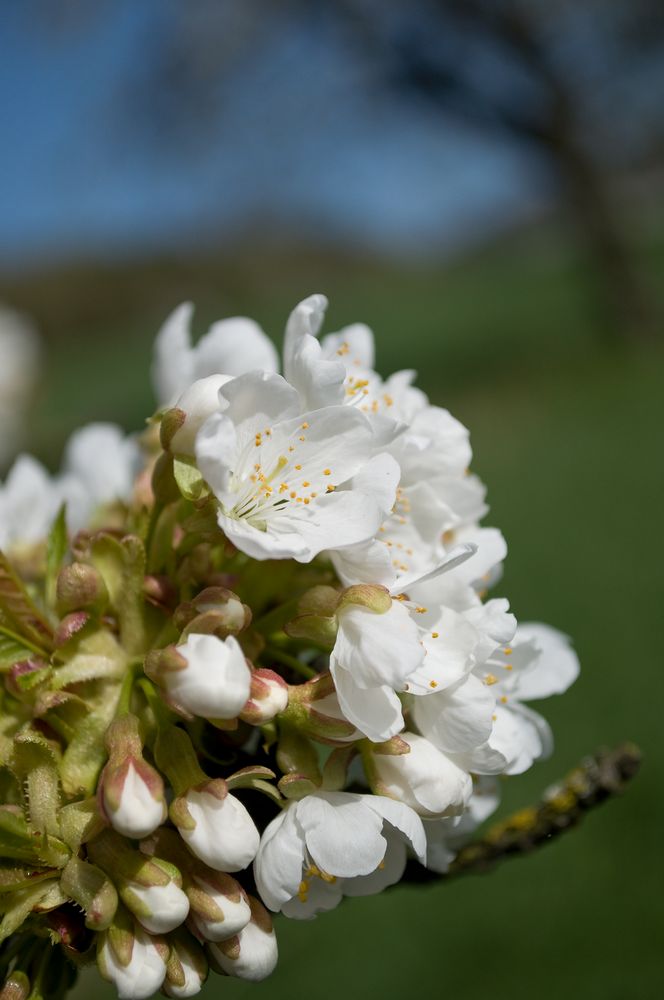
(298, 144)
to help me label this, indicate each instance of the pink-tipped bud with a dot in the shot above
(130, 791)
(268, 697)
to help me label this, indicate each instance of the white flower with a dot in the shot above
(216, 680)
(253, 953)
(373, 656)
(161, 908)
(133, 801)
(424, 778)
(29, 502)
(20, 351)
(100, 466)
(198, 402)
(227, 912)
(275, 472)
(539, 662)
(230, 347)
(331, 844)
(142, 976)
(224, 835)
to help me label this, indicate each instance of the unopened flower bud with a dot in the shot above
(424, 778)
(16, 987)
(253, 953)
(205, 676)
(80, 586)
(187, 967)
(130, 791)
(215, 611)
(219, 905)
(216, 826)
(133, 961)
(159, 908)
(268, 697)
(181, 424)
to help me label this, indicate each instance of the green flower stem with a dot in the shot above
(175, 755)
(127, 689)
(163, 715)
(290, 661)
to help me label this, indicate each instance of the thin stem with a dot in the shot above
(290, 661)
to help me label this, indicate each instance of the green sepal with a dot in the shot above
(80, 822)
(94, 892)
(190, 482)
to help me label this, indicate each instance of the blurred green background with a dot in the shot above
(517, 333)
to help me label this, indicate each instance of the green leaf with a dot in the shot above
(16, 843)
(55, 552)
(34, 764)
(22, 905)
(12, 649)
(122, 564)
(18, 612)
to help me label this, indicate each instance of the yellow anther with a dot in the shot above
(434, 635)
(301, 438)
(421, 611)
(330, 489)
(305, 425)
(490, 679)
(504, 699)
(306, 482)
(433, 684)
(508, 666)
(298, 467)
(293, 494)
(507, 651)
(306, 500)
(327, 472)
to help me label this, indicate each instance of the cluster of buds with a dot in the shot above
(255, 671)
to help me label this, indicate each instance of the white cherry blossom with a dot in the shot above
(275, 471)
(322, 847)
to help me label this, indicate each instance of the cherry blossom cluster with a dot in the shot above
(251, 664)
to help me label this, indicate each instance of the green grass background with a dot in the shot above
(568, 437)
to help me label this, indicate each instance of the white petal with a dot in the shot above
(278, 864)
(343, 837)
(378, 649)
(556, 667)
(401, 818)
(172, 366)
(459, 718)
(234, 346)
(375, 711)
